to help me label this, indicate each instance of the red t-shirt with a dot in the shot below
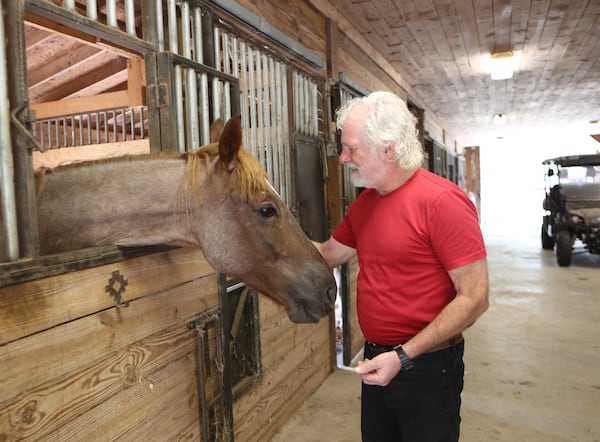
(406, 242)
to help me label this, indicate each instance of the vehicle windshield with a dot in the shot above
(579, 174)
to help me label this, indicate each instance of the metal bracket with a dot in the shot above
(14, 117)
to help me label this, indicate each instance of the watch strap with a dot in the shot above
(407, 362)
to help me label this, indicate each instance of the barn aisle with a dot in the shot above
(531, 361)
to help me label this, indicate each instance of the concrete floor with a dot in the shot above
(532, 361)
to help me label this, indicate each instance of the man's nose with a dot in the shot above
(344, 155)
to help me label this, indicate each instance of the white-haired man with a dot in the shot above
(423, 274)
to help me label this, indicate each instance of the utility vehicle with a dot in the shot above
(572, 205)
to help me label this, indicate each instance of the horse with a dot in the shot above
(216, 198)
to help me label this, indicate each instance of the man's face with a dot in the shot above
(366, 164)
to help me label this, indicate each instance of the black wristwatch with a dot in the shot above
(407, 362)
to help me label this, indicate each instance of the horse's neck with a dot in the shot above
(123, 202)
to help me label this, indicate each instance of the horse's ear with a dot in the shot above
(230, 142)
(216, 129)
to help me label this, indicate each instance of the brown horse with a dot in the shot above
(216, 198)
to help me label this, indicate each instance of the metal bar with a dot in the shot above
(260, 95)
(244, 90)
(130, 17)
(216, 95)
(179, 116)
(58, 130)
(193, 140)
(80, 122)
(227, 58)
(275, 120)
(91, 10)
(97, 116)
(89, 128)
(252, 98)
(204, 105)
(7, 185)
(159, 27)
(142, 128)
(18, 98)
(267, 118)
(287, 160)
(172, 26)
(123, 125)
(131, 113)
(111, 13)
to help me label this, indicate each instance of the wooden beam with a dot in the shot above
(110, 100)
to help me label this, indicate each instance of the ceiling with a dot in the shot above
(440, 49)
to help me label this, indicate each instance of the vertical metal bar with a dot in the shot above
(227, 59)
(193, 140)
(178, 82)
(97, 116)
(172, 26)
(142, 128)
(7, 184)
(315, 107)
(203, 106)
(57, 134)
(244, 92)
(130, 17)
(267, 117)
(253, 98)
(123, 125)
(65, 134)
(305, 105)
(160, 33)
(216, 98)
(111, 13)
(80, 123)
(179, 110)
(260, 100)
(89, 128)
(131, 113)
(18, 98)
(275, 120)
(296, 87)
(288, 170)
(91, 10)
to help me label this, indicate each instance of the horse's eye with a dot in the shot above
(268, 211)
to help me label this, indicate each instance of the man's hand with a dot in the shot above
(380, 370)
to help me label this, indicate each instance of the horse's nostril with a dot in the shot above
(331, 294)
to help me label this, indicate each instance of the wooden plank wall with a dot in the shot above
(76, 367)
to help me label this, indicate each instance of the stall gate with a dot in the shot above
(128, 344)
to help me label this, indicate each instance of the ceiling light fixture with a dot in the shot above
(500, 119)
(502, 65)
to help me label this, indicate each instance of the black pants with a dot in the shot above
(420, 405)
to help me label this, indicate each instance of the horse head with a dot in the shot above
(253, 236)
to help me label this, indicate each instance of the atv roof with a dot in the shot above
(575, 160)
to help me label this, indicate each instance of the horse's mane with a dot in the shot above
(249, 179)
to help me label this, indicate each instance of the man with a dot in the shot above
(423, 274)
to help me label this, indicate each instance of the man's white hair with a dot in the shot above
(387, 122)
